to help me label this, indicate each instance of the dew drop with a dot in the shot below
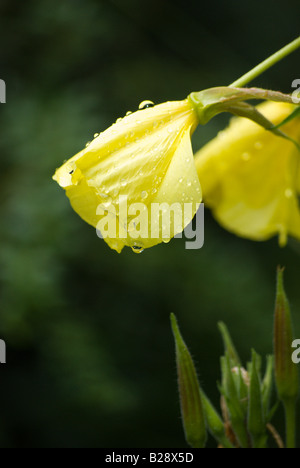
(258, 145)
(128, 113)
(180, 180)
(155, 123)
(119, 120)
(189, 183)
(144, 195)
(88, 144)
(289, 193)
(96, 135)
(107, 202)
(123, 182)
(137, 249)
(154, 191)
(246, 157)
(146, 105)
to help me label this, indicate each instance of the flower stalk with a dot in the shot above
(266, 64)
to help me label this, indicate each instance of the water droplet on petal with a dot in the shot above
(119, 120)
(258, 145)
(154, 191)
(246, 157)
(107, 202)
(88, 144)
(146, 105)
(144, 195)
(128, 113)
(189, 183)
(96, 135)
(289, 193)
(180, 180)
(123, 182)
(137, 249)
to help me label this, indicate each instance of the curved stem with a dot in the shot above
(266, 64)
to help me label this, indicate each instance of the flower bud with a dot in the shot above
(192, 411)
(286, 371)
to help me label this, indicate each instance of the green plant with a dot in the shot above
(245, 396)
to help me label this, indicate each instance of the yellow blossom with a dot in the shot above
(251, 178)
(146, 158)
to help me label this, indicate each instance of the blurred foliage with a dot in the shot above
(89, 348)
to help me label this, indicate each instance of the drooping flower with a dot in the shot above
(251, 178)
(143, 160)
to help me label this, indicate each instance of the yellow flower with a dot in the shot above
(144, 159)
(251, 178)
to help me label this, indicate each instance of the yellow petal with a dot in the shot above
(250, 178)
(139, 158)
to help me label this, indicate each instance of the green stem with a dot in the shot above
(290, 415)
(266, 64)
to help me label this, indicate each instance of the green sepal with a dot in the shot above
(256, 420)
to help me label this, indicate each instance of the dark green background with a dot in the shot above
(90, 356)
